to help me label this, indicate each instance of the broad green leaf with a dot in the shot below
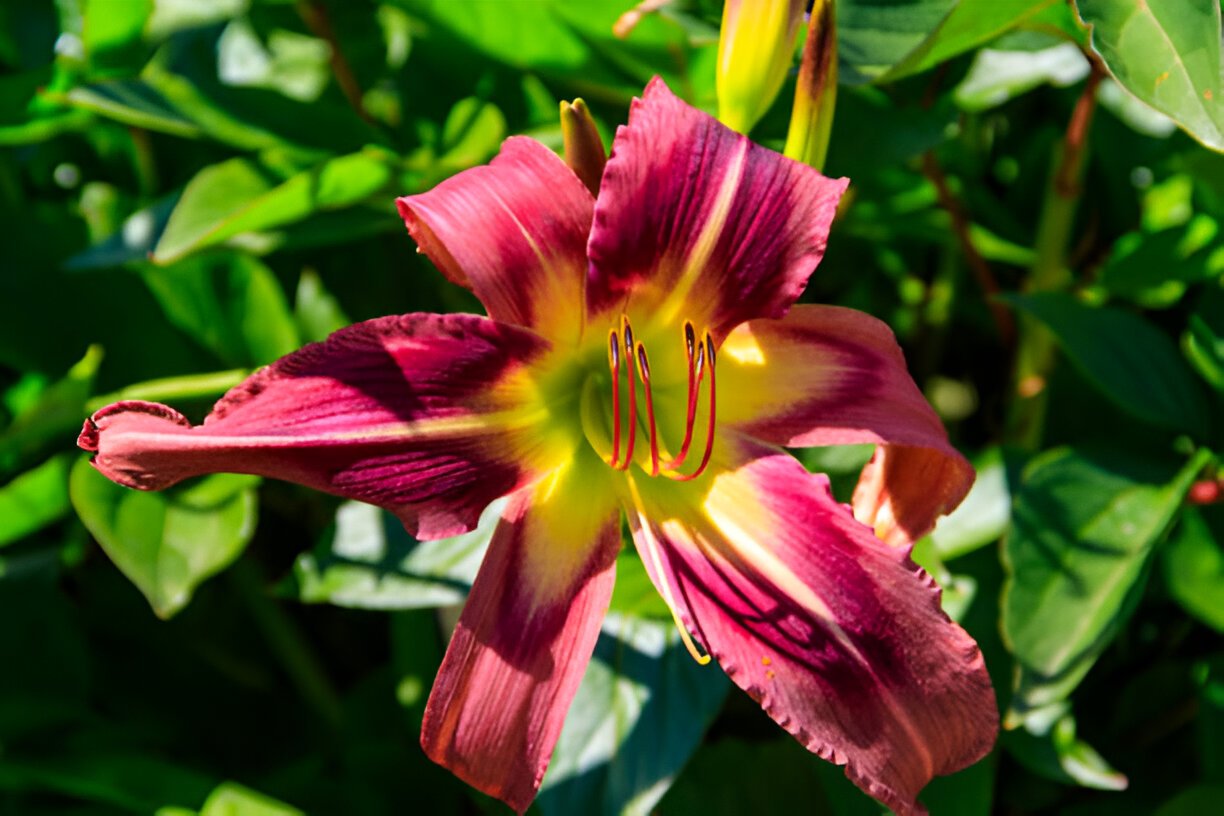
(1203, 341)
(133, 102)
(315, 310)
(167, 543)
(1166, 53)
(54, 415)
(570, 43)
(638, 716)
(1083, 531)
(472, 132)
(1054, 751)
(230, 303)
(872, 37)
(184, 72)
(111, 31)
(370, 562)
(34, 499)
(967, 25)
(997, 76)
(132, 243)
(232, 799)
(1127, 358)
(634, 595)
(1193, 564)
(1155, 269)
(118, 778)
(239, 196)
(984, 514)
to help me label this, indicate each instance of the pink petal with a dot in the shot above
(826, 375)
(695, 218)
(524, 640)
(429, 416)
(839, 636)
(514, 232)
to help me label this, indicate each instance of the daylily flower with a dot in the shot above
(641, 358)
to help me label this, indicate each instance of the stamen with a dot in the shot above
(627, 331)
(694, 383)
(709, 446)
(644, 373)
(614, 365)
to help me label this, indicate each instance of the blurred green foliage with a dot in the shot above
(192, 189)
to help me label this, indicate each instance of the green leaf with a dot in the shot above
(984, 514)
(315, 310)
(239, 196)
(53, 416)
(34, 499)
(1193, 564)
(232, 799)
(167, 543)
(634, 594)
(230, 303)
(872, 37)
(1167, 54)
(966, 26)
(1084, 527)
(997, 76)
(570, 43)
(370, 562)
(638, 716)
(1203, 341)
(1054, 751)
(1130, 361)
(133, 102)
(132, 782)
(110, 29)
(1154, 270)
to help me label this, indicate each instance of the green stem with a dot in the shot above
(287, 643)
(1035, 352)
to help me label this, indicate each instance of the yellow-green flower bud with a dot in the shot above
(584, 149)
(755, 50)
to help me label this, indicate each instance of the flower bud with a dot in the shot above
(816, 91)
(755, 50)
(584, 149)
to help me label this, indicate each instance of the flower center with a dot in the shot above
(627, 353)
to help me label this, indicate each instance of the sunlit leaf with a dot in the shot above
(370, 562)
(1054, 751)
(997, 76)
(1193, 564)
(34, 499)
(966, 26)
(230, 303)
(1084, 527)
(239, 196)
(1167, 54)
(167, 543)
(55, 414)
(232, 799)
(984, 514)
(638, 716)
(133, 102)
